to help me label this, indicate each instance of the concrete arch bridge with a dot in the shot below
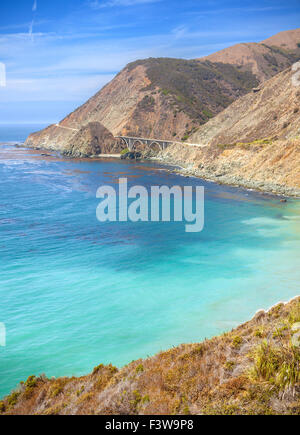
(133, 142)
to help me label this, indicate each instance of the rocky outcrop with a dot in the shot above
(253, 369)
(132, 155)
(91, 140)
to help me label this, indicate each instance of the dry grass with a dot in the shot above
(253, 369)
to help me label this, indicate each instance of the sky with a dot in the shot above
(58, 53)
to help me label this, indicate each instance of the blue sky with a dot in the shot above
(60, 52)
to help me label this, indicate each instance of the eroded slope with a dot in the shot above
(254, 369)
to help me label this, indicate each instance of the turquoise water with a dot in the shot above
(75, 292)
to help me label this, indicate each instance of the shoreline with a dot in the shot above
(187, 170)
(258, 186)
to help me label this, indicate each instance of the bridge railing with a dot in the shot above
(161, 141)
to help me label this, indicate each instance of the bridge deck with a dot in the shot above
(163, 142)
(148, 139)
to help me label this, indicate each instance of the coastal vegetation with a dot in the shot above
(196, 88)
(254, 370)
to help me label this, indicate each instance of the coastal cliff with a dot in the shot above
(235, 104)
(159, 98)
(254, 143)
(254, 369)
(170, 98)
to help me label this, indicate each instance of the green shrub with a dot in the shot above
(13, 398)
(237, 341)
(125, 151)
(31, 382)
(207, 113)
(259, 332)
(229, 365)
(190, 83)
(140, 368)
(2, 407)
(277, 365)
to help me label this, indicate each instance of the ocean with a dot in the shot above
(75, 292)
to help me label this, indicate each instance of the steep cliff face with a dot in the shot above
(254, 369)
(112, 107)
(255, 142)
(272, 111)
(170, 98)
(159, 98)
(92, 139)
(264, 59)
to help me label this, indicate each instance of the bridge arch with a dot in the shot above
(133, 143)
(137, 142)
(125, 140)
(155, 145)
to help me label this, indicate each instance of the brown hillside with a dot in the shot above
(159, 98)
(288, 40)
(264, 59)
(253, 369)
(169, 98)
(254, 143)
(272, 112)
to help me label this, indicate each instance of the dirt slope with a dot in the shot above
(254, 369)
(254, 143)
(272, 111)
(264, 59)
(159, 98)
(169, 98)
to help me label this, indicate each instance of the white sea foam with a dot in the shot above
(277, 303)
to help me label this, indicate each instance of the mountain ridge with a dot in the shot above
(264, 59)
(161, 97)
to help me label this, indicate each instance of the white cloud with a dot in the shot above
(97, 4)
(2, 75)
(56, 67)
(34, 7)
(67, 88)
(30, 29)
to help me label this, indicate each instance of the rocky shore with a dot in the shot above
(253, 168)
(235, 180)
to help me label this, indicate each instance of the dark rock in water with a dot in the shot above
(132, 155)
(46, 155)
(91, 140)
(283, 200)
